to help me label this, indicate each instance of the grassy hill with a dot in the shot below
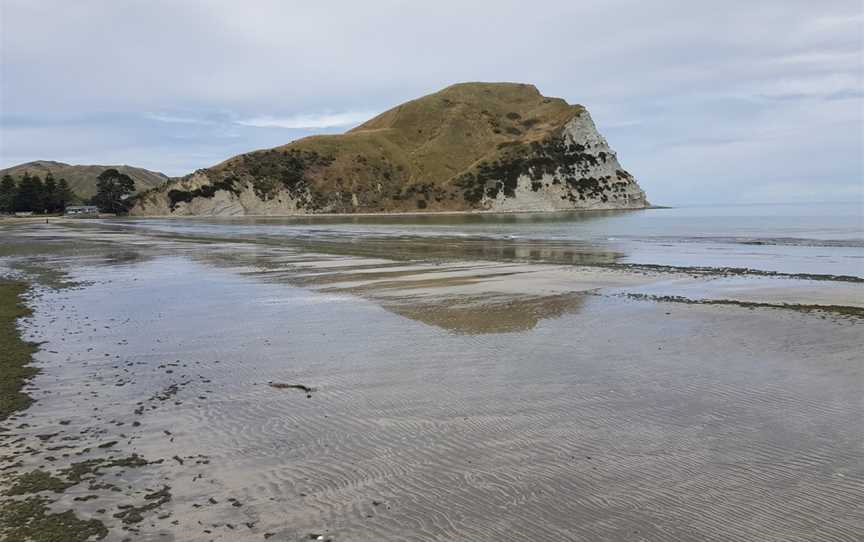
(82, 179)
(461, 148)
(417, 150)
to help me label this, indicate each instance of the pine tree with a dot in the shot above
(8, 191)
(27, 196)
(113, 191)
(64, 194)
(39, 191)
(49, 196)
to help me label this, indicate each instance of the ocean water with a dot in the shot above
(817, 238)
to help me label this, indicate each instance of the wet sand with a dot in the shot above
(453, 398)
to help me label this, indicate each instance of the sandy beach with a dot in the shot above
(465, 396)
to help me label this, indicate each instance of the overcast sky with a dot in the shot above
(705, 102)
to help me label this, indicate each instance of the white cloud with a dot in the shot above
(174, 119)
(830, 22)
(309, 121)
(815, 86)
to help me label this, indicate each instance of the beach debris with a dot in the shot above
(135, 514)
(283, 386)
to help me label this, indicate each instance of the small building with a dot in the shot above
(82, 211)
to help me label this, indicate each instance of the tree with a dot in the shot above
(8, 191)
(29, 194)
(39, 198)
(49, 195)
(113, 191)
(64, 194)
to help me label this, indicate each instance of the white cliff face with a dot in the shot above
(243, 201)
(247, 202)
(592, 180)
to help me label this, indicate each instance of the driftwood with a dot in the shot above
(283, 386)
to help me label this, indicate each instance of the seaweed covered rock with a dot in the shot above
(471, 146)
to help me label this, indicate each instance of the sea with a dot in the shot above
(818, 238)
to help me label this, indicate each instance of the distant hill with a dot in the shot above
(468, 147)
(82, 179)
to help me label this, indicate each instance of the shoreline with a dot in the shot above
(25, 512)
(16, 363)
(408, 213)
(63, 218)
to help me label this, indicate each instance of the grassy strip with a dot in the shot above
(29, 518)
(15, 367)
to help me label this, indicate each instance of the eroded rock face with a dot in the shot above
(471, 147)
(576, 169)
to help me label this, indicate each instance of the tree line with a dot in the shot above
(114, 192)
(32, 194)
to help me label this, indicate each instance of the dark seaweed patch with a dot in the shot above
(29, 519)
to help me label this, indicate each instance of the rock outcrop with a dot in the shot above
(469, 147)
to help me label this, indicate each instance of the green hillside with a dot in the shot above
(82, 179)
(412, 153)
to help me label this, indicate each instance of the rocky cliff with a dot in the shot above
(471, 146)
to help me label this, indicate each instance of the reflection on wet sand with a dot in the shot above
(446, 248)
(457, 297)
(481, 315)
(400, 246)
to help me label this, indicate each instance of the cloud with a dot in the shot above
(174, 119)
(831, 22)
(820, 86)
(309, 121)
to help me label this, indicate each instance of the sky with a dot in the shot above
(705, 102)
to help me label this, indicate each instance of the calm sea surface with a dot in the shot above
(813, 238)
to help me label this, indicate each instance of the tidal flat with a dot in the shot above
(199, 382)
